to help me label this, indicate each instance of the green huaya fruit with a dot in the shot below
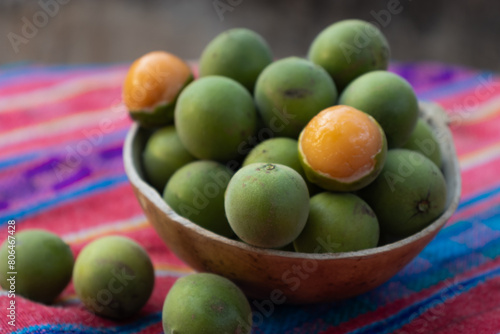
(113, 277)
(348, 49)
(424, 141)
(240, 54)
(42, 262)
(408, 195)
(163, 155)
(267, 204)
(387, 97)
(213, 117)
(196, 192)
(338, 222)
(287, 248)
(279, 150)
(291, 91)
(206, 303)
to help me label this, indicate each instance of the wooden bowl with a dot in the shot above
(282, 276)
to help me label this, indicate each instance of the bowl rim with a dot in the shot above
(429, 111)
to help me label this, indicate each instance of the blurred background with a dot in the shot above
(465, 32)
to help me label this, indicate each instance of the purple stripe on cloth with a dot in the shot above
(111, 152)
(42, 167)
(79, 175)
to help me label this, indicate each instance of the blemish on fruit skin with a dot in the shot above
(297, 93)
(270, 167)
(362, 209)
(217, 307)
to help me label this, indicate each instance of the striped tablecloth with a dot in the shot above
(61, 135)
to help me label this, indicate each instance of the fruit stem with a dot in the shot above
(423, 206)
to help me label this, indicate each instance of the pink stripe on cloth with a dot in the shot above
(53, 141)
(472, 137)
(88, 101)
(481, 178)
(88, 212)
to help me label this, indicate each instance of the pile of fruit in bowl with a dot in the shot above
(299, 179)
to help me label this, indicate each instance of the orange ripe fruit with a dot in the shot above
(152, 85)
(342, 149)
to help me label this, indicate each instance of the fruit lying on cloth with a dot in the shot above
(206, 303)
(42, 262)
(113, 277)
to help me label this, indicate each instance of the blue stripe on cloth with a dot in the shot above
(491, 218)
(8, 74)
(134, 327)
(450, 258)
(456, 87)
(13, 161)
(64, 197)
(456, 229)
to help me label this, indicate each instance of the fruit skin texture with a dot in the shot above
(290, 92)
(214, 116)
(113, 277)
(338, 222)
(327, 182)
(163, 155)
(424, 141)
(408, 195)
(267, 204)
(279, 150)
(152, 85)
(240, 54)
(387, 97)
(196, 192)
(206, 303)
(348, 49)
(43, 263)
